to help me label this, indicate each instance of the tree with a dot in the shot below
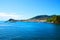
(54, 19)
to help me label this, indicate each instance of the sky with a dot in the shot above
(24, 9)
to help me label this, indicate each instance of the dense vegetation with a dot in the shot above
(54, 19)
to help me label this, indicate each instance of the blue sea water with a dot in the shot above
(29, 31)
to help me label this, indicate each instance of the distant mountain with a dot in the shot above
(41, 17)
(13, 20)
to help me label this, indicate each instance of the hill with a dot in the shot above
(40, 18)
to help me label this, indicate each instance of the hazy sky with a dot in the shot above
(23, 9)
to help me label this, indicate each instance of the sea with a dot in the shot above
(29, 31)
